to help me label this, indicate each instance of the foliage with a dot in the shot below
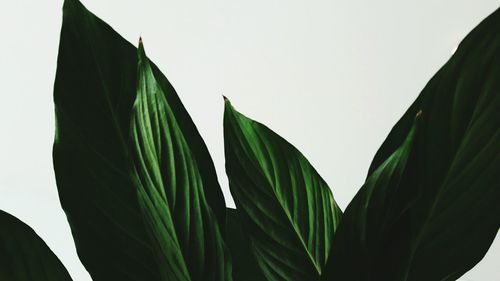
(142, 198)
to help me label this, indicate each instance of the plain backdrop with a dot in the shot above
(332, 77)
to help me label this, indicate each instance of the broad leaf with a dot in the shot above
(184, 229)
(445, 215)
(94, 91)
(24, 256)
(245, 267)
(285, 206)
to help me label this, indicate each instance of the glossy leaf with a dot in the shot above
(24, 256)
(184, 229)
(94, 91)
(245, 267)
(445, 214)
(285, 206)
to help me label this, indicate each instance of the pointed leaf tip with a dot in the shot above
(141, 52)
(71, 5)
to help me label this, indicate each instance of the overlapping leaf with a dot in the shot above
(94, 92)
(245, 267)
(445, 214)
(24, 256)
(360, 235)
(285, 206)
(184, 229)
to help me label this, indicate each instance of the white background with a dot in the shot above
(332, 77)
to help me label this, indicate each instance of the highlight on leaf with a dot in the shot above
(184, 229)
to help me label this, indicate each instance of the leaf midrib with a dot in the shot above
(283, 208)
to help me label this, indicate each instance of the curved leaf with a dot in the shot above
(245, 267)
(94, 91)
(286, 207)
(447, 215)
(184, 229)
(24, 256)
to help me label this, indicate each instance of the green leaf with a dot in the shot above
(24, 256)
(245, 266)
(94, 92)
(184, 229)
(445, 213)
(285, 206)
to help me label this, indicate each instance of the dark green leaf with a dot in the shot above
(24, 256)
(184, 229)
(285, 206)
(94, 92)
(245, 267)
(360, 229)
(444, 214)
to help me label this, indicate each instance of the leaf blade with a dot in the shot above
(281, 198)
(24, 256)
(170, 188)
(93, 95)
(449, 205)
(357, 236)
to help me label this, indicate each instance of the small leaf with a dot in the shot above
(184, 229)
(285, 206)
(245, 267)
(443, 216)
(24, 256)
